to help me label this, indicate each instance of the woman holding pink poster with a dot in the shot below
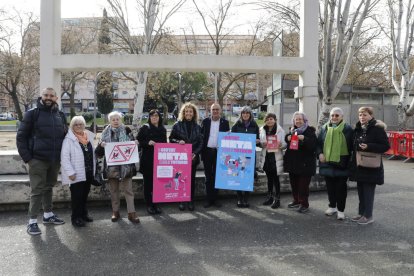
(150, 133)
(271, 159)
(187, 131)
(300, 160)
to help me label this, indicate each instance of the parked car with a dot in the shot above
(6, 117)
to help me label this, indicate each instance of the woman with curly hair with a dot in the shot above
(187, 131)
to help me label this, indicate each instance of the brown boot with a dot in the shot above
(115, 216)
(133, 217)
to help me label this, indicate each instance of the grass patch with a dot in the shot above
(8, 123)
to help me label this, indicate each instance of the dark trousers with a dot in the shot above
(194, 165)
(300, 188)
(79, 194)
(273, 181)
(243, 196)
(148, 186)
(337, 191)
(210, 162)
(366, 193)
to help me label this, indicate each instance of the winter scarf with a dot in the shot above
(119, 134)
(335, 143)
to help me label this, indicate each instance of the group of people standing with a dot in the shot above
(45, 143)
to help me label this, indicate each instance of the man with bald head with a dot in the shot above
(210, 128)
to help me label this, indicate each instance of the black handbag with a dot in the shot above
(98, 179)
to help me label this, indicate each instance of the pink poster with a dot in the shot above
(172, 172)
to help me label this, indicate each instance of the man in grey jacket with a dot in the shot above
(39, 142)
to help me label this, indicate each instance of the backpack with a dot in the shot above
(36, 114)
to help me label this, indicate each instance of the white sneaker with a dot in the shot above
(340, 216)
(330, 211)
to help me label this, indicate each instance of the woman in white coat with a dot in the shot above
(271, 159)
(78, 168)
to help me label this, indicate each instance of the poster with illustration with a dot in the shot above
(235, 161)
(120, 153)
(172, 172)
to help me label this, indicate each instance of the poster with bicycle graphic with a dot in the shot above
(172, 172)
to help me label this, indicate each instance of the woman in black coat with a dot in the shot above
(300, 163)
(334, 152)
(369, 136)
(245, 124)
(187, 131)
(149, 134)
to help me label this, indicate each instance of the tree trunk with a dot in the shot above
(324, 114)
(165, 111)
(72, 100)
(16, 103)
(139, 100)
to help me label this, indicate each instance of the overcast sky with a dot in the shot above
(241, 16)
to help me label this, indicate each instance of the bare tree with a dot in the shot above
(215, 21)
(402, 36)
(16, 54)
(153, 17)
(341, 28)
(77, 38)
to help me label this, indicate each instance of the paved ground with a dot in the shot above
(225, 241)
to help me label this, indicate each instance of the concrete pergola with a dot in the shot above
(53, 63)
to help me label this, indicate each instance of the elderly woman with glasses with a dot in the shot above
(299, 160)
(118, 175)
(78, 165)
(334, 151)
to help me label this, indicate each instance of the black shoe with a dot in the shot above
(151, 210)
(78, 222)
(158, 210)
(293, 205)
(303, 210)
(208, 204)
(246, 205)
(87, 218)
(240, 204)
(181, 206)
(217, 204)
(275, 204)
(268, 201)
(33, 229)
(191, 206)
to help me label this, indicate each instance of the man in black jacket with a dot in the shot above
(39, 142)
(210, 128)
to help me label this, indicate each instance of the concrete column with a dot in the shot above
(308, 80)
(50, 40)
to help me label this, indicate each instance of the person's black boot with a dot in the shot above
(276, 202)
(269, 199)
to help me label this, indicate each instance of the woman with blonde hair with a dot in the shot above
(187, 131)
(369, 136)
(78, 168)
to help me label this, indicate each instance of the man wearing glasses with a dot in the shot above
(39, 142)
(210, 127)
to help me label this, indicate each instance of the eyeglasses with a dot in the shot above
(78, 124)
(216, 109)
(335, 115)
(48, 95)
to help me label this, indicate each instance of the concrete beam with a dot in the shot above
(183, 63)
(50, 40)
